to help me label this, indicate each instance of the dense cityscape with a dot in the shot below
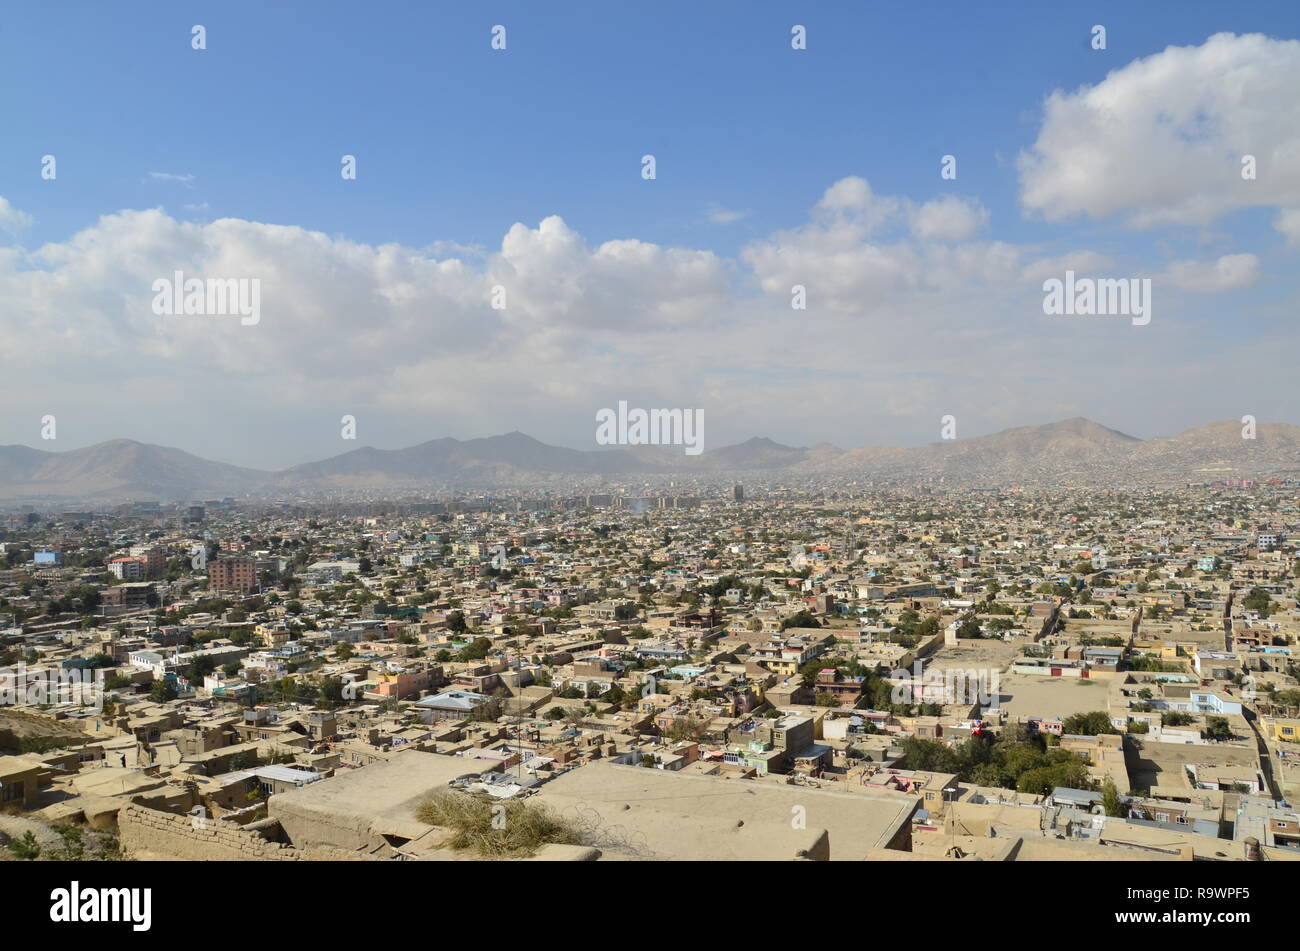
(540, 436)
(789, 675)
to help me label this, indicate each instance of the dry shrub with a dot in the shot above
(525, 826)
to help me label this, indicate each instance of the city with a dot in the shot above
(560, 438)
(1021, 674)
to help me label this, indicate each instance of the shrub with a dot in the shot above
(25, 847)
(479, 825)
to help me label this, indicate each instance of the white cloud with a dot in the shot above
(1081, 262)
(907, 320)
(725, 216)
(555, 281)
(948, 219)
(1161, 140)
(1288, 222)
(851, 199)
(185, 179)
(1229, 273)
(11, 219)
(861, 251)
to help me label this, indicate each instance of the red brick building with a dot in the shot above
(236, 573)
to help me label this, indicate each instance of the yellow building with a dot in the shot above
(1286, 729)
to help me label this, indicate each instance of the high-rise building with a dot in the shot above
(737, 493)
(235, 573)
(153, 558)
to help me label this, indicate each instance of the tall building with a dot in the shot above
(153, 558)
(737, 493)
(126, 569)
(235, 573)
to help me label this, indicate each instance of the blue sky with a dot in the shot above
(456, 142)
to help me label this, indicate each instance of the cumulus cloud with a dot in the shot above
(1161, 141)
(1228, 273)
(11, 219)
(340, 317)
(910, 311)
(948, 219)
(1288, 222)
(555, 280)
(861, 250)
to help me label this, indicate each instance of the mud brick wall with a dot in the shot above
(149, 833)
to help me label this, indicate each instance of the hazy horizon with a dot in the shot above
(329, 452)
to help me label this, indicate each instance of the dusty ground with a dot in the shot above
(16, 725)
(56, 843)
(14, 827)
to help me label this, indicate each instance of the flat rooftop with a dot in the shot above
(351, 809)
(1025, 695)
(659, 814)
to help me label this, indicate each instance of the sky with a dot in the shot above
(522, 169)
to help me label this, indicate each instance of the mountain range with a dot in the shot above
(1071, 452)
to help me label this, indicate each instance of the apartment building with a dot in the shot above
(236, 573)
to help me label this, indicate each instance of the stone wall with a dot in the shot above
(149, 834)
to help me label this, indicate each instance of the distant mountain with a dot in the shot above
(1073, 451)
(1068, 439)
(518, 456)
(1219, 448)
(757, 453)
(491, 459)
(119, 467)
(1053, 451)
(17, 463)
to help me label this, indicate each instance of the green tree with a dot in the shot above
(929, 755)
(1110, 800)
(476, 650)
(1087, 724)
(1258, 601)
(800, 619)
